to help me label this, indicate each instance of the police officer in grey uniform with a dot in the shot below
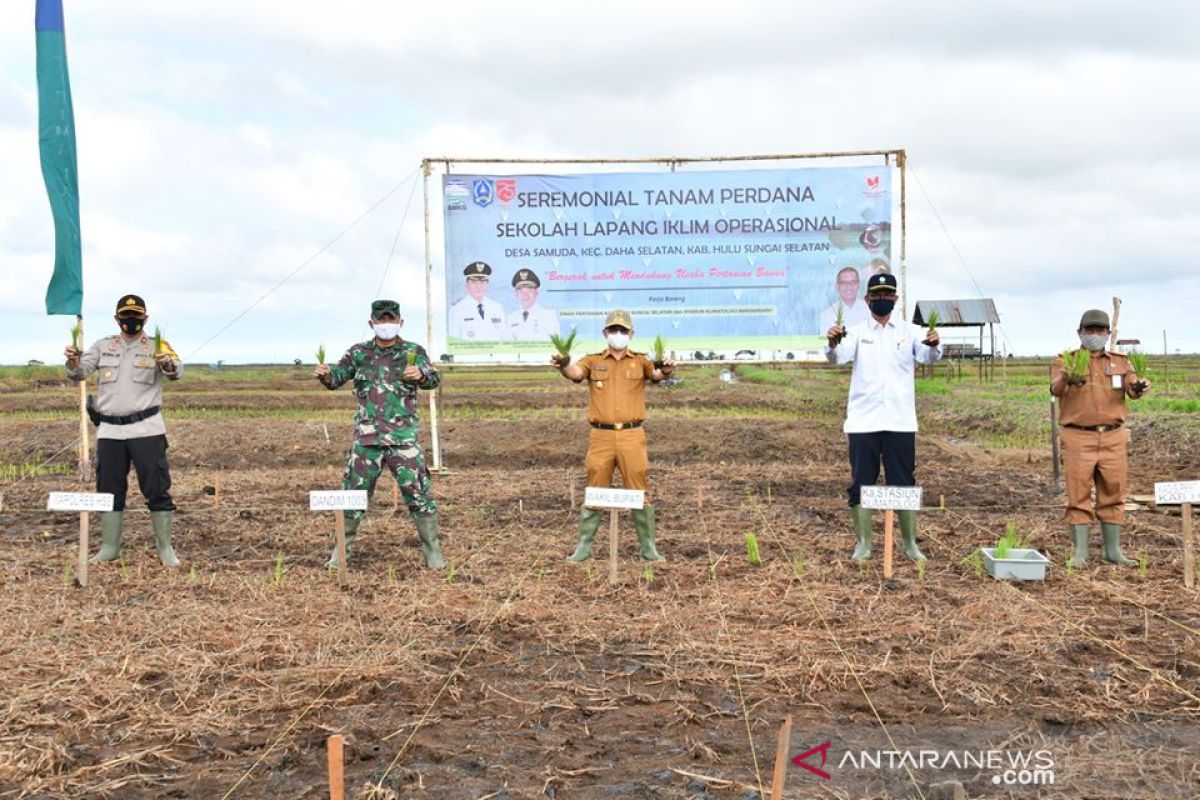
(477, 316)
(531, 321)
(130, 426)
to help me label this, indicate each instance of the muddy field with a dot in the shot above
(519, 675)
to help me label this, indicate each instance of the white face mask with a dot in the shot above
(386, 330)
(1093, 341)
(617, 341)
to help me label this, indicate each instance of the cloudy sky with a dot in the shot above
(223, 145)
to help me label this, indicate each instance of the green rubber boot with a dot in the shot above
(1080, 534)
(1111, 533)
(352, 524)
(161, 522)
(908, 535)
(862, 531)
(427, 530)
(589, 523)
(643, 520)
(110, 537)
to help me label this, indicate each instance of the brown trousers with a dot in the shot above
(624, 450)
(1092, 456)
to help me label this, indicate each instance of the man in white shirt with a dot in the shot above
(881, 413)
(854, 308)
(532, 322)
(477, 316)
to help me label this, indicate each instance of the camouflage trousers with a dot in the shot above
(407, 463)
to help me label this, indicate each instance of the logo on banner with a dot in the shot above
(874, 187)
(506, 189)
(483, 192)
(457, 195)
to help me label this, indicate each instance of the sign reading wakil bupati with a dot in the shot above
(898, 498)
(79, 501)
(607, 497)
(349, 500)
(1176, 493)
(719, 259)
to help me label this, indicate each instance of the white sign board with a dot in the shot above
(607, 497)
(899, 498)
(350, 500)
(79, 501)
(1175, 493)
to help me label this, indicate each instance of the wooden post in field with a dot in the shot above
(339, 502)
(82, 502)
(337, 783)
(782, 748)
(890, 499)
(613, 499)
(1112, 337)
(888, 535)
(85, 461)
(1184, 494)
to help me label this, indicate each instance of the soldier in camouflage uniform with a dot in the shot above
(387, 371)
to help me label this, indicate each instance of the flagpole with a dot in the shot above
(85, 462)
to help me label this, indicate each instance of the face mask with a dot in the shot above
(131, 325)
(617, 341)
(386, 330)
(881, 308)
(1093, 341)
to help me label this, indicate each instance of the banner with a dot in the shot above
(56, 138)
(753, 260)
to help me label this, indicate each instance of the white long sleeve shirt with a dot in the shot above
(882, 395)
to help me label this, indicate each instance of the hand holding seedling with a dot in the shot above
(932, 339)
(835, 334)
(1141, 366)
(321, 372)
(411, 371)
(72, 354)
(165, 362)
(560, 360)
(1076, 364)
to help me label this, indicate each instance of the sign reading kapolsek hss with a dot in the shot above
(720, 260)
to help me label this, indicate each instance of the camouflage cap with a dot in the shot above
(619, 318)
(381, 307)
(131, 303)
(1093, 317)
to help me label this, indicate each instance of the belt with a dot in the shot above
(618, 426)
(127, 419)
(1096, 428)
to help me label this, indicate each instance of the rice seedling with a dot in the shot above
(77, 335)
(563, 345)
(192, 574)
(921, 570)
(68, 574)
(1075, 364)
(648, 575)
(799, 565)
(277, 572)
(321, 354)
(752, 554)
(1070, 565)
(1140, 363)
(659, 351)
(1011, 540)
(1143, 564)
(451, 571)
(932, 321)
(974, 561)
(839, 321)
(159, 342)
(590, 571)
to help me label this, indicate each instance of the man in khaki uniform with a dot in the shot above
(616, 379)
(1094, 439)
(130, 426)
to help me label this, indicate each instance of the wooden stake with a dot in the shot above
(217, 491)
(889, 517)
(341, 546)
(337, 787)
(84, 457)
(395, 496)
(782, 747)
(942, 502)
(1189, 555)
(612, 546)
(81, 575)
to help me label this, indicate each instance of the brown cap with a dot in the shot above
(131, 303)
(619, 317)
(881, 282)
(1093, 317)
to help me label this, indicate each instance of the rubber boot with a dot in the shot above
(643, 520)
(110, 537)
(1080, 534)
(862, 531)
(908, 535)
(427, 530)
(161, 521)
(1111, 533)
(352, 524)
(589, 523)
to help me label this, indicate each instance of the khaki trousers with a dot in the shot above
(624, 450)
(1099, 457)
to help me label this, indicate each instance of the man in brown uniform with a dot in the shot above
(616, 410)
(1092, 415)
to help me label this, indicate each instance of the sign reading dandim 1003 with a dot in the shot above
(716, 260)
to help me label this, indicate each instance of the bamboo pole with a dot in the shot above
(1189, 553)
(81, 574)
(341, 546)
(612, 546)
(85, 461)
(889, 517)
(337, 783)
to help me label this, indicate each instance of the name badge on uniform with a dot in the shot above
(1118, 381)
(868, 341)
